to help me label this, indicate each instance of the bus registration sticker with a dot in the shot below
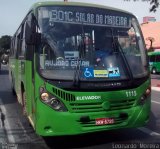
(104, 121)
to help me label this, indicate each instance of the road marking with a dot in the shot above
(155, 102)
(7, 126)
(155, 88)
(148, 131)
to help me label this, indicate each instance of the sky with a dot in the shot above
(12, 12)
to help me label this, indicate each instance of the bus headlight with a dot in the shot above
(53, 102)
(56, 104)
(145, 96)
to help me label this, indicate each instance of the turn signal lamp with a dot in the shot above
(144, 97)
(148, 91)
(44, 96)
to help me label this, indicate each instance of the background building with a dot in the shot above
(149, 19)
(151, 33)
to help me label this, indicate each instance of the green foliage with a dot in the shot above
(5, 42)
(154, 4)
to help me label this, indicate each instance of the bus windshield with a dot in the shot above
(95, 44)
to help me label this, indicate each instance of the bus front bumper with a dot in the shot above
(52, 123)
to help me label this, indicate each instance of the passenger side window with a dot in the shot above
(152, 58)
(158, 58)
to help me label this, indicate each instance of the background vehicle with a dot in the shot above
(154, 62)
(79, 68)
(4, 58)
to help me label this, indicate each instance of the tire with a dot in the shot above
(154, 71)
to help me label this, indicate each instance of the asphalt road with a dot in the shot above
(16, 132)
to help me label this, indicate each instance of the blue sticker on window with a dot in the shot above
(88, 72)
(113, 72)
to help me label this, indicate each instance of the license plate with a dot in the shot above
(104, 121)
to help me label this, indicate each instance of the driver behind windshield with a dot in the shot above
(103, 49)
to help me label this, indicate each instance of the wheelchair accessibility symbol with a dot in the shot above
(88, 73)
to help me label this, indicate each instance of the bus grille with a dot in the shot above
(64, 95)
(122, 104)
(97, 107)
(86, 107)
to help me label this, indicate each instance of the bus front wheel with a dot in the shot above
(154, 71)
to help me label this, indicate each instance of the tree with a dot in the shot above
(151, 39)
(5, 42)
(154, 5)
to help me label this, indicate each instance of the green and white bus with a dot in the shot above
(79, 68)
(154, 62)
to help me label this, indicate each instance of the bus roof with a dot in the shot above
(62, 3)
(153, 53)
(50, 3)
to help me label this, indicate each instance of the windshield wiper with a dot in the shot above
(118, 49)
(83, 44)
(76, 80)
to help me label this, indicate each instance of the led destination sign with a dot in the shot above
(89, 16)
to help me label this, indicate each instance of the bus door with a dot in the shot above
(17, 69)
(27, 67)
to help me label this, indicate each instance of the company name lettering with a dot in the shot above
(88, 98)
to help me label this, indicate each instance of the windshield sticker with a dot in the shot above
(71, 55)
(88, 72)
(88, 98)
(87, 17)
(51, 64)
(113, 72)
(100, 73)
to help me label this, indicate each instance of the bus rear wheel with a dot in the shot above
(154, 71)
